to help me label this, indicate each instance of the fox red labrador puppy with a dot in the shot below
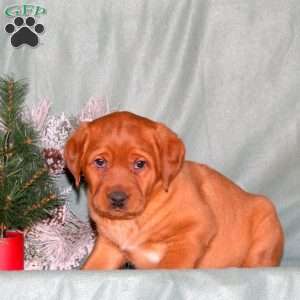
(156, 210)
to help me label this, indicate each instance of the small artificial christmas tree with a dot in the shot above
(27, 191)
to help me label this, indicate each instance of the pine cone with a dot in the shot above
(54, 160)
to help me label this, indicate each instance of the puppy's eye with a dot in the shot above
(100, 163)
(139, 164)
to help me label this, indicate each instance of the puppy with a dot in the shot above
(156, 210)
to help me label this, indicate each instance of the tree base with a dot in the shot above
(12, 251)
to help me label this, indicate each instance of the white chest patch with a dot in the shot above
(152, 256)
(149, 254)
(134, 240)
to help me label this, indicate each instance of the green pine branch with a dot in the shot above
(27, 192)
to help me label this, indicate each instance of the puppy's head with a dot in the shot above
(123, 157)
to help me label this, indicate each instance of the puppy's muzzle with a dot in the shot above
(117, 199)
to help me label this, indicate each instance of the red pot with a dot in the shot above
(12, 251)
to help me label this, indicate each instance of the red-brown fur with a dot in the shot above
(179, 214)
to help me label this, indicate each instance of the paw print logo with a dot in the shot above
(24, 32)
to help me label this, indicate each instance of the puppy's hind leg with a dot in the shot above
(268, 242)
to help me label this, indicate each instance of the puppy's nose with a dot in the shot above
(117, 199)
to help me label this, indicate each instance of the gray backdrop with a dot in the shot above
(224, 74)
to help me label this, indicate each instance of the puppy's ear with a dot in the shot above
(74, 150)
(172, 152)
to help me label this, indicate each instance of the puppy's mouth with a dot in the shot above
(119, 214)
